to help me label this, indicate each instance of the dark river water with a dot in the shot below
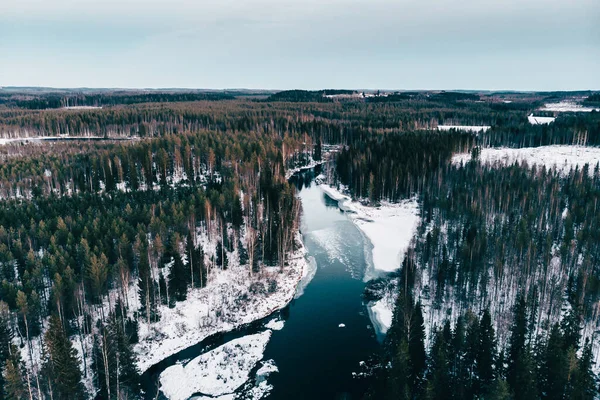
(316, 357)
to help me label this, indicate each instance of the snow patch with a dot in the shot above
(563, 158)
(540, 120)
(218, 372)
(275, 324)
(381, 313)
(567, 106)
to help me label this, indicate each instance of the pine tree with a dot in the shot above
(416, 348)
(585, 385)
(221, 255)
(554, 367)
(472, 343)
(129, 375)
(318, 150)
(398, 383)
(63, 363)
(571, 327)
(146, 286)
(486, 356)
(439, 379)
(178, 280)
(459, 368)
(520, 371)
(5, 342)
(15, 386)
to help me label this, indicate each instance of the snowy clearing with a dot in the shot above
(40, 139)
(540, 120)
(567, 106)
(467, 128)
(224, 304)
(389, 227)
(218, 372)
(563, 158)
(82, 108)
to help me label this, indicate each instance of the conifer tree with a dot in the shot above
(554, 367)
(585, 385)
(520, 374)
(486, 355)
(63, 364)
(5, 343)
(439, 379)
(416, 348)
(15, 386)
(146, 286)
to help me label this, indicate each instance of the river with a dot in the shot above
(327, 331)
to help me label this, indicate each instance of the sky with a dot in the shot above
(302, 44)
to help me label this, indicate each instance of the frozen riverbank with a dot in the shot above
(223, 305)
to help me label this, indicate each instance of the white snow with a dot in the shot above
(218, 372)
(82, 108)
(275, 324)
(567, 106)
(267, 368)
(224, 397)
(563, 158)
(39, 139)
(389, 227)
(468, 128)
(381, 313)
(533, 120)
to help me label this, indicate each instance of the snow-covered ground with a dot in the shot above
(39, 139)
(82, 108)
(389, 227)
(224, 304)
(533, 120)
(563, 158)
(567, 106)
(381, 313)
(467, 128)
(218, 372)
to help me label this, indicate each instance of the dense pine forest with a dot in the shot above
(499, 290)
(498, 296)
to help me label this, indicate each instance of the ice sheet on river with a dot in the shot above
(389, 227)
(339, 243)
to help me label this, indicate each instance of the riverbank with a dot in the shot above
(232, 298)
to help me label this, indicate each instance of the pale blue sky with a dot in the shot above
(281, 44)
